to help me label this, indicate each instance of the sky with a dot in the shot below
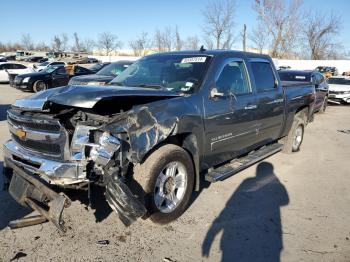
(42, 19)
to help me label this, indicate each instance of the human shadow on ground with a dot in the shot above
(251, 221)
(9, 208)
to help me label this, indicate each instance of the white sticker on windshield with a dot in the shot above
(300, 77)
(198, 59)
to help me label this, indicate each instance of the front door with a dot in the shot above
(229, 113)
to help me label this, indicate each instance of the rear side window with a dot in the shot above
(263, 76)
(19, 66)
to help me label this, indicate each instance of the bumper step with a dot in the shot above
(239, 164)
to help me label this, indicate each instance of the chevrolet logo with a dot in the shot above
(20, 133)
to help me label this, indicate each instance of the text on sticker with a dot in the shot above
(198, 59)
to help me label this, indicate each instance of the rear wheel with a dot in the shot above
(167, 179)
(294, 139)
(39, 86)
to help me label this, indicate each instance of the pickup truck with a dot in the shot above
(165, 124)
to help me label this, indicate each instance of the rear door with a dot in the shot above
(60, 77)
(270, 101)
(229, 116)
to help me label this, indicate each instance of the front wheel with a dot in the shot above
(167, 179)
(39, 86)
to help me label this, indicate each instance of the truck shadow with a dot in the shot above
(9, 208)
(251, 221)
(3, 111)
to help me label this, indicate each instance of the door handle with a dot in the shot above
(250, 107)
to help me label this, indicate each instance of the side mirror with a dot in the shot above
(215, 93)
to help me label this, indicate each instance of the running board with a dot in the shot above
(239, 164)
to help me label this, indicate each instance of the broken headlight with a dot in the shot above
(104, 151)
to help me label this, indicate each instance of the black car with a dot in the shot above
(34, 59)
(49, 77)
(97, 67)
(42, 60)
(291, 77)
(88, 60)
(3, 59)
(102, 77)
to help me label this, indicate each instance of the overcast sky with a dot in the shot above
(42, 19)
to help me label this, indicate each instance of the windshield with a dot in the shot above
(178, 73)
(339, 81)
(295, 76)
(44, 64)
(113, 69)
(96, 67)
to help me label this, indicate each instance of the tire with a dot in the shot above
(324, 105)
(39, 86)
(155, 185)
(292, 142)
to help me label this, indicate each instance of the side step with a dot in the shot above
(239, 164)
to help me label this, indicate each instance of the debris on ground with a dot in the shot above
(103, 242)
(18, 255)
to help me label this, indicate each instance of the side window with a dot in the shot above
(233, 79)
(19, 66)
(263, 76)
(61, 71)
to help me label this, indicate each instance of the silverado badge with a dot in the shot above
(20, 133)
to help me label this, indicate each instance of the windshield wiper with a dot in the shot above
(151, 86)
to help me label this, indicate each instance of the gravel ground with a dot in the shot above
(287, 208)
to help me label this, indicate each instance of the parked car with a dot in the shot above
(102, 77)
(290, 77)
(46, 64)
(10, 57)
(169, 119)
(43, 60)
(3, 59)
(339, 90)
(14, 67)
(88, 60)
(97, 67)
(33, 59)
(327, 71)
(284, 67)
(52, 76)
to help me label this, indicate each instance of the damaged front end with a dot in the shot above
(71, 147)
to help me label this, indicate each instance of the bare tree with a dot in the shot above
(88, 45)
(218, 23)
(320, 32)
(259, 38)
(42, 46)
(64, 41)
(77, 45)
(108, 42)
(282, 21)
(163, 39)
(27, 42)
(192, 43)
(56, 43)
(140, 45)
(178, 41)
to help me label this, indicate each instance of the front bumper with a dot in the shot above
(21, 86)
(339, 98)
(52, 171)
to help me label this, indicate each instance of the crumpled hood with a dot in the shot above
(84, 96)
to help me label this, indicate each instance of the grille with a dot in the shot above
(36, 126)
(39, 146)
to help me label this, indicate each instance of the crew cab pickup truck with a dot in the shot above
(165, 124)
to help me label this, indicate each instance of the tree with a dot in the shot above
(77, 45)
(218, 23)
(178, 41)
(140, 45)
(108, 42)
(320, 31)
(88, 45)
(282, 21)
(27, 42)
(56, 43)
(259, 38)
(64, 41)
(42, 46)
(163, 39)
(192, 43)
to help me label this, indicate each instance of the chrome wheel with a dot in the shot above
(170, 187)
(298, 137)
(40, 86)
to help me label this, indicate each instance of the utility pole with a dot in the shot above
(244, 36)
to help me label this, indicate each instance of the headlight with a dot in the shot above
(81, 139)
(25, 80)
(95, 83)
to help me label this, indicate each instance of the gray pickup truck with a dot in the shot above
(165, 124)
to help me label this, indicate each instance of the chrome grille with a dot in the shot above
(44, 135)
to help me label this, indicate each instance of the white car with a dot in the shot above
(339, 89)
(46, 64)
(14, 68)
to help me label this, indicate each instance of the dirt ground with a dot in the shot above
(287, 208)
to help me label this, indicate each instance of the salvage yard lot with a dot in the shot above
(299, 201)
